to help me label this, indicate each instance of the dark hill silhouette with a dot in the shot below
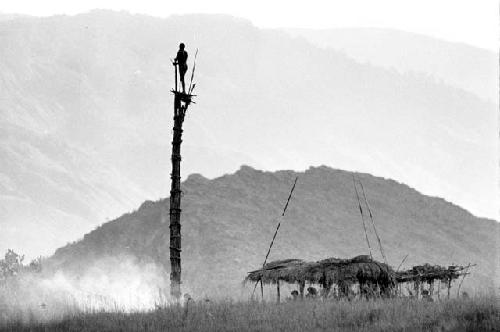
(227, 224)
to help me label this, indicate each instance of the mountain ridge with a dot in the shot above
(229, 221)
(452, 62)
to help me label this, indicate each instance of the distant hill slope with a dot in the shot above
(464, 66)
(228, 222)
(87, 96)
(49, 189)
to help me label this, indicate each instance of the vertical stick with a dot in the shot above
(416, 287)
(261, 290)
(449, 286)
(439, 288)
(302, 285)
(175, 65)
(278, 290)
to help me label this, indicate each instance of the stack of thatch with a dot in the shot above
(429, 273)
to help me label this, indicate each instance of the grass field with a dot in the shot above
(474, 314)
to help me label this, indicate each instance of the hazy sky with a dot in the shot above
(470, 21)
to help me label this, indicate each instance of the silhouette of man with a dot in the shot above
(181, 60)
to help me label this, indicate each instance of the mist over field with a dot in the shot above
(110, 283)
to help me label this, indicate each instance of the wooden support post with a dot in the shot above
(302, 285)
(278, 291)
(327, 286)
(439, 288)
(449, 287)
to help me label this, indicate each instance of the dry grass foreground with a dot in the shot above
(474, 314)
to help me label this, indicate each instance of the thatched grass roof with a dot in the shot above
(359, 269)
(429, 273)
(289, 270)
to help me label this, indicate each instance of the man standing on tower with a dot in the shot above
(181, 60)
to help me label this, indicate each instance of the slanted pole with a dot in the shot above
(461, 282)
(274, 238)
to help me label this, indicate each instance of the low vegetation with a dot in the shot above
(467, 314)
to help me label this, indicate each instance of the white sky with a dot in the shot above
(475, 22)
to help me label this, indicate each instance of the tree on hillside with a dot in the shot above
(12, 265)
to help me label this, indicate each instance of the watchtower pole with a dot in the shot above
(181, 103)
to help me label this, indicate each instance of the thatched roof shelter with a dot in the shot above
(360, 269)
(429, 273)
(289, 270)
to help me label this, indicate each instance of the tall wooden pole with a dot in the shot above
(181, 103)
(175, 202)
